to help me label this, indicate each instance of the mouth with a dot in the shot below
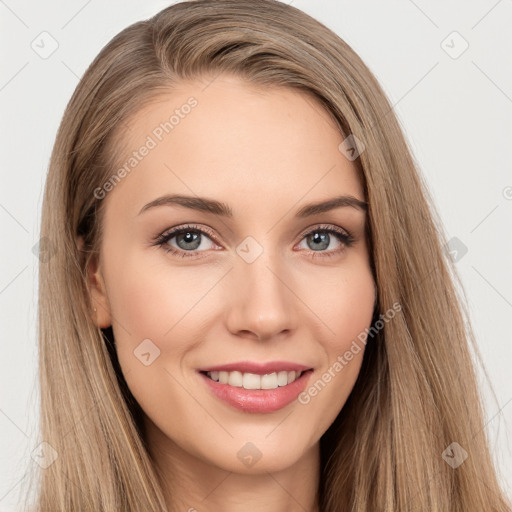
(249, 380)
(256, 392)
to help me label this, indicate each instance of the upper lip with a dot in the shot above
(257, 368)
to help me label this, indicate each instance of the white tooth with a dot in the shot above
(282, 378)
(235, 379)
(251, 381)
(269, 381)
(255, 381)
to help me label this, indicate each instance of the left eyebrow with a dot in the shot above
(219, 208)
(331, 204)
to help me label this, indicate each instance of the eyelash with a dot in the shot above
(343, 236)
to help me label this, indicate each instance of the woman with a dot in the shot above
(198, 349)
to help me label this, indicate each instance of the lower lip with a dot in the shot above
(258, 400)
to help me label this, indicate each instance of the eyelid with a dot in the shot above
(326, 227)
(212, 235)
(346, 238)
(172, 232)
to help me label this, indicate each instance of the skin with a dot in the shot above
(266, 153)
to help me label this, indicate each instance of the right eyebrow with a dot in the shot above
(195, 203)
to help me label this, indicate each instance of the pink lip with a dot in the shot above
(258, 400)
(257, 368)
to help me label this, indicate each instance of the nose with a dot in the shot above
(262, 304)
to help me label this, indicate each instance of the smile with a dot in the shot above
(253, 380)
(256, 393)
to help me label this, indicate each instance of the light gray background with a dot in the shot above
(456, 113)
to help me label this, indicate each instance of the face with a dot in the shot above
(252, 280)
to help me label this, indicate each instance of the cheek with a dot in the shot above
(153, 322)
(354, 311)
(149, 300)
(157, 314)
(344, 302)
(351, 319)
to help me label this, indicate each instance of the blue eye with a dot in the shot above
(322, 237)
(188, 239)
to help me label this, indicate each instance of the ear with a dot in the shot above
(101, 314)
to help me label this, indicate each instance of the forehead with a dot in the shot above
(232, 138)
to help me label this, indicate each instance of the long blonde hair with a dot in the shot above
(416, 392)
